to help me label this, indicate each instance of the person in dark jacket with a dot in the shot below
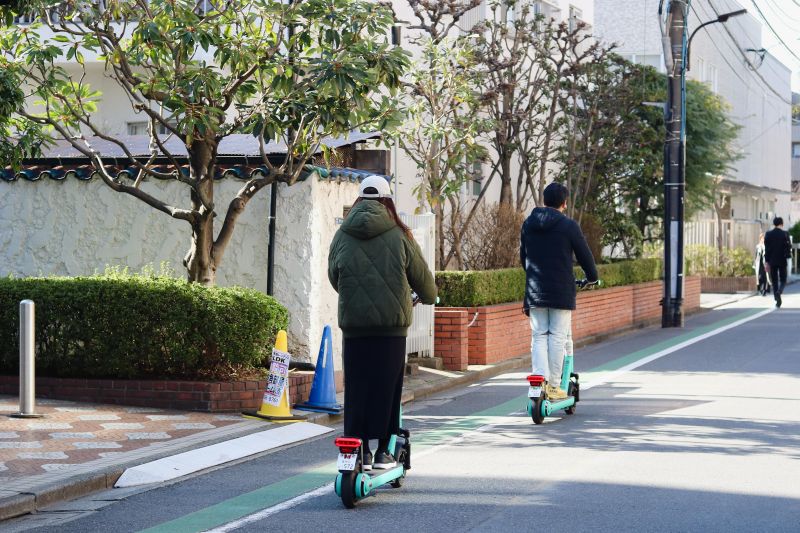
(777, 249)
(374, 263)
(548, 241)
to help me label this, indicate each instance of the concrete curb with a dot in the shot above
(37, 496)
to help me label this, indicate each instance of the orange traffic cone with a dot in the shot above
(282, 412)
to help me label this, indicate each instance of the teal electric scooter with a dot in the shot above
(353, 483)
(539, 406)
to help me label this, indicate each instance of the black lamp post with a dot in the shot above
(722, 18)
(675, 154)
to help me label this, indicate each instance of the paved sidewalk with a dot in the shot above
(79, 448)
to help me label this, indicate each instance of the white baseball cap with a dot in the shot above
(378, 183)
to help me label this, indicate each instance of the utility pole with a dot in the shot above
(674, 163)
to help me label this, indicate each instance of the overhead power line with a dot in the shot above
(734, 70)
(776, 7)
(753, 68)
(777, 35)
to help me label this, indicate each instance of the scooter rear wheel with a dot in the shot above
(349, 488)
(536, 410)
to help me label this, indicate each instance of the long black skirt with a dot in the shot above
(373, 385)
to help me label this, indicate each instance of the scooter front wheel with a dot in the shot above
(348, 488)
(398, 482)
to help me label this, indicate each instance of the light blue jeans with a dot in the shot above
(551, 328)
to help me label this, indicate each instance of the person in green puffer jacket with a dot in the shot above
(374, 264)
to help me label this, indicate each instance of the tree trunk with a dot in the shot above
(718, 212)
(438, 210)
(201, 266)
(506, 196)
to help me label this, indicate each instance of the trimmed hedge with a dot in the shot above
(128, 327)
(488, 287)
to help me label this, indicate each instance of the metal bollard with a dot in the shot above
(27, 361)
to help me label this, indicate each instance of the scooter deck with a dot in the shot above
(381, 477)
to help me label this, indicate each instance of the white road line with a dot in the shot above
(288, 504)
(327, 489)
(297, 500)
(610, 376)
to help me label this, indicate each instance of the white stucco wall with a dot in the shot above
(77, 228)
(306, 224)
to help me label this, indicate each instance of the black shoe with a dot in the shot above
(778, 301)
(367, 462)
(383, 461)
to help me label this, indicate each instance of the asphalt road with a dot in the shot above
(678, 430)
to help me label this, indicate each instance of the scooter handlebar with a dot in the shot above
(415, 299)
(583, 283)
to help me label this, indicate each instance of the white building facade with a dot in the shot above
(731, 60)
(403, 168)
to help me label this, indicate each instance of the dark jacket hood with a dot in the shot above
(368, 219)
(543, 218)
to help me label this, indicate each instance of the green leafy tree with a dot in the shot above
(710, 151)
(443, 122)
(440, 134)
(292, 72)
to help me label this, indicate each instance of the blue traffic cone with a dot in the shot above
(323, 390)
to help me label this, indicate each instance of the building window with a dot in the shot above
(701, 69)
(795, 149)
(475, 184)
(575, 17)
(546, 9)
(712, 78)
(140, 128)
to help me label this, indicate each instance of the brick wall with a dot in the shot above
(450, 335)
(692, 287)
(500, 332)
(231, 396)
(728, 285)
(503, 321)
(602, 310)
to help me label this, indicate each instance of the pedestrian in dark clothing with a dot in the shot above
(777, 249)
(373, 264)
(760, 266)
(547, 244)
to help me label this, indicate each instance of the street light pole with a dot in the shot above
(676, 57)
(674, 167)
(722, 18)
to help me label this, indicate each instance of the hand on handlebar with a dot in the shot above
(583, 283)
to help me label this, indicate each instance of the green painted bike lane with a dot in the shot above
(252, 502)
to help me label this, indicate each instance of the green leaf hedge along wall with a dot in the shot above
(139, 327)
(489, 287)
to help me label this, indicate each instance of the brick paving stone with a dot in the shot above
(97, 445)
(122, 425)
(76, 409)
(18, 445)
(43, 455)
(159, 435)
(57, 467)
(85, 435)
(194, 425)
(49, 425)
(99, 416)
(9, 435)
(237, 418)
(158, 418)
